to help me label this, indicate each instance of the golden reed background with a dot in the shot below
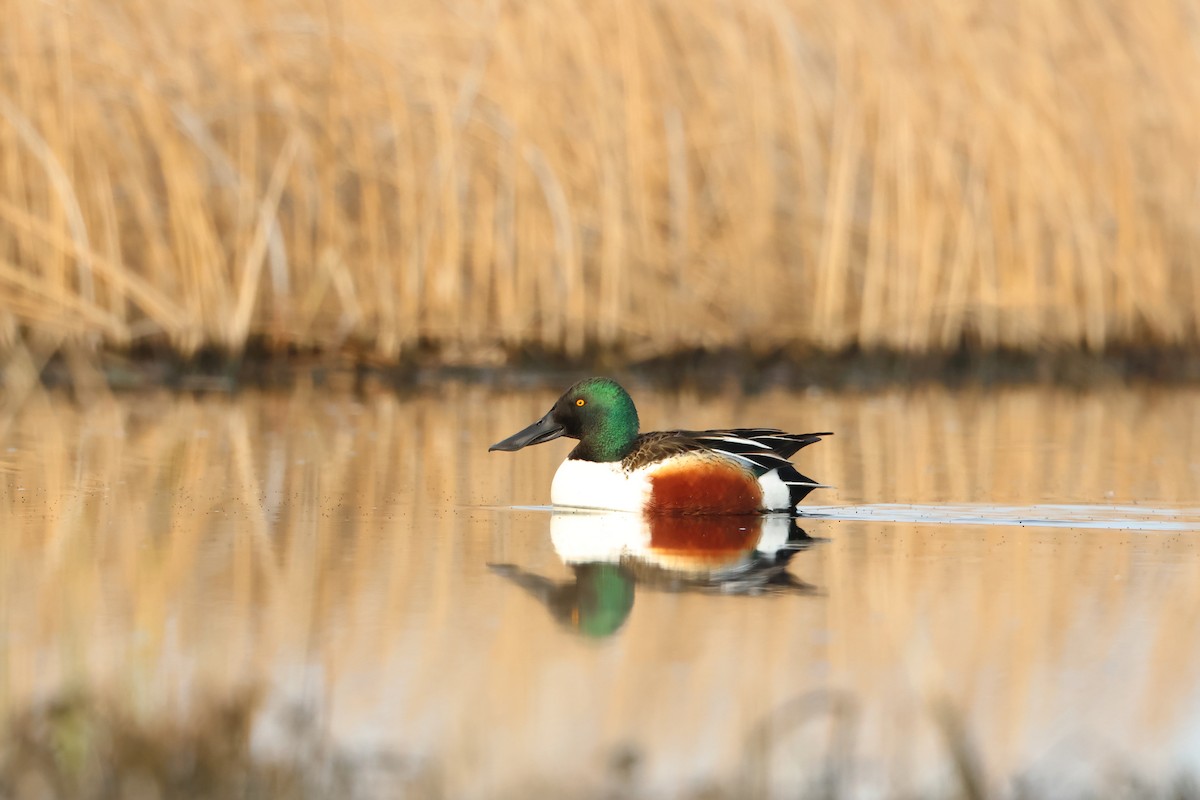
(636, 177)
(332, 550)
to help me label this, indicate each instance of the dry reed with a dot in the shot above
(486, 176)
(333, 550)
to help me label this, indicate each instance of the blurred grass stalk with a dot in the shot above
(481, 177)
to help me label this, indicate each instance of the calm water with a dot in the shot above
(1009, 577)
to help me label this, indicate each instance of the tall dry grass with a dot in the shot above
(626, 176)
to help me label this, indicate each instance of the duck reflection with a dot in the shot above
(612, 552)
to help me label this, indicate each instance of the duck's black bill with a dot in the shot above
(543, 430)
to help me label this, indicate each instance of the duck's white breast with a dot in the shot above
(593, 484)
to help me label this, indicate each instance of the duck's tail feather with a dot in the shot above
(798, 485)
(788, 444)
(761, 449)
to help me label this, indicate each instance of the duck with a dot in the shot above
(615, 467)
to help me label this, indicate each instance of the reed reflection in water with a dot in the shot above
(334, 550)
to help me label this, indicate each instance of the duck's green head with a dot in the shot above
(596, 411)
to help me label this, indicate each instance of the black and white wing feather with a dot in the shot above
(761, 449)
(764, 450)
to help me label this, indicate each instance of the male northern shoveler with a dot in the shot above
(731, 471)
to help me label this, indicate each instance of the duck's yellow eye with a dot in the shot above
(581, 402)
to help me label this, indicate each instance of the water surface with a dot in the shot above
(1010, 578)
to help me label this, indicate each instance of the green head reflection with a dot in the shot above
(595, 603)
